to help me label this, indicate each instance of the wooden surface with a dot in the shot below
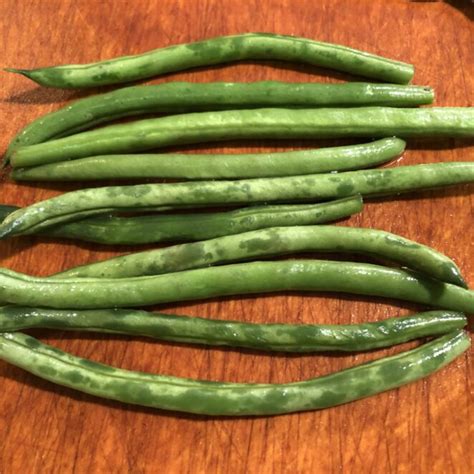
(423, 427)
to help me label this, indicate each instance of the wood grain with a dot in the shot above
(423, 427)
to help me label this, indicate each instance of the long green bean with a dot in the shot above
(180, 97)
(235, 279)
(219, 50)
(85, 203)
(197, 226)
(220, 398)
(251, 124)
(275, 241)
(212, 166)
(219, 332)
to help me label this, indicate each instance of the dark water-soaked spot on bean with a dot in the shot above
(345, 189)
(189, 253)
(195, 399)
(391, 372)
(73, 376)
(378, 181)
(330, 398)
(47, 370)
(137, 392)
(32, 343)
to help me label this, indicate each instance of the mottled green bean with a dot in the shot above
(374, 182)
(252, 124)
(219, 50)
(230, 399)
(276, 241)
(235, 279)
(197, 226)
(216, 166)
(219, 332)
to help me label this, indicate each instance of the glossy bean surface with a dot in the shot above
(197, 226)
(257, 124)
(219, 332)
(180, 97)
(216, 166)
(222, 49)
(235, 279)
(374, 182)
(230, 399)
(276, 241)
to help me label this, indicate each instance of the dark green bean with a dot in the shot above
(230, 399)
(212, 166)
(180, 97)
(275, 241)
(70, 206)
(219, 332)
(198, 226)
(252, 124)
(219, 50)
(236, 279)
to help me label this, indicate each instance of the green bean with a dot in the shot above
(180, 97)
(219, 332)
(235, 279)
(230, 399)
(275, 241)
(252, 124)
(88, 202)
(211, 166)
(219, 50)
(198, 226)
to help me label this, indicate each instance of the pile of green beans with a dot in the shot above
(220, 50)
(98, 297)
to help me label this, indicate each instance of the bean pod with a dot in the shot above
(229, 399)
(219, 332)
(155, 228)
(216, 166)
(275, 241)
(374, 182)
(235, 279)
(219, 50)
(180, 97)
(252, 124)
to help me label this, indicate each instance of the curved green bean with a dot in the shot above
(197, 226)
(180, 97)
(219, 332)
(230, 399)
(70, 206)
(275, 241)
(235, 279)
(212, 166)
(219, 50)
(251, 124)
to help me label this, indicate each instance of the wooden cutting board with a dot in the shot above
(423, 427)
